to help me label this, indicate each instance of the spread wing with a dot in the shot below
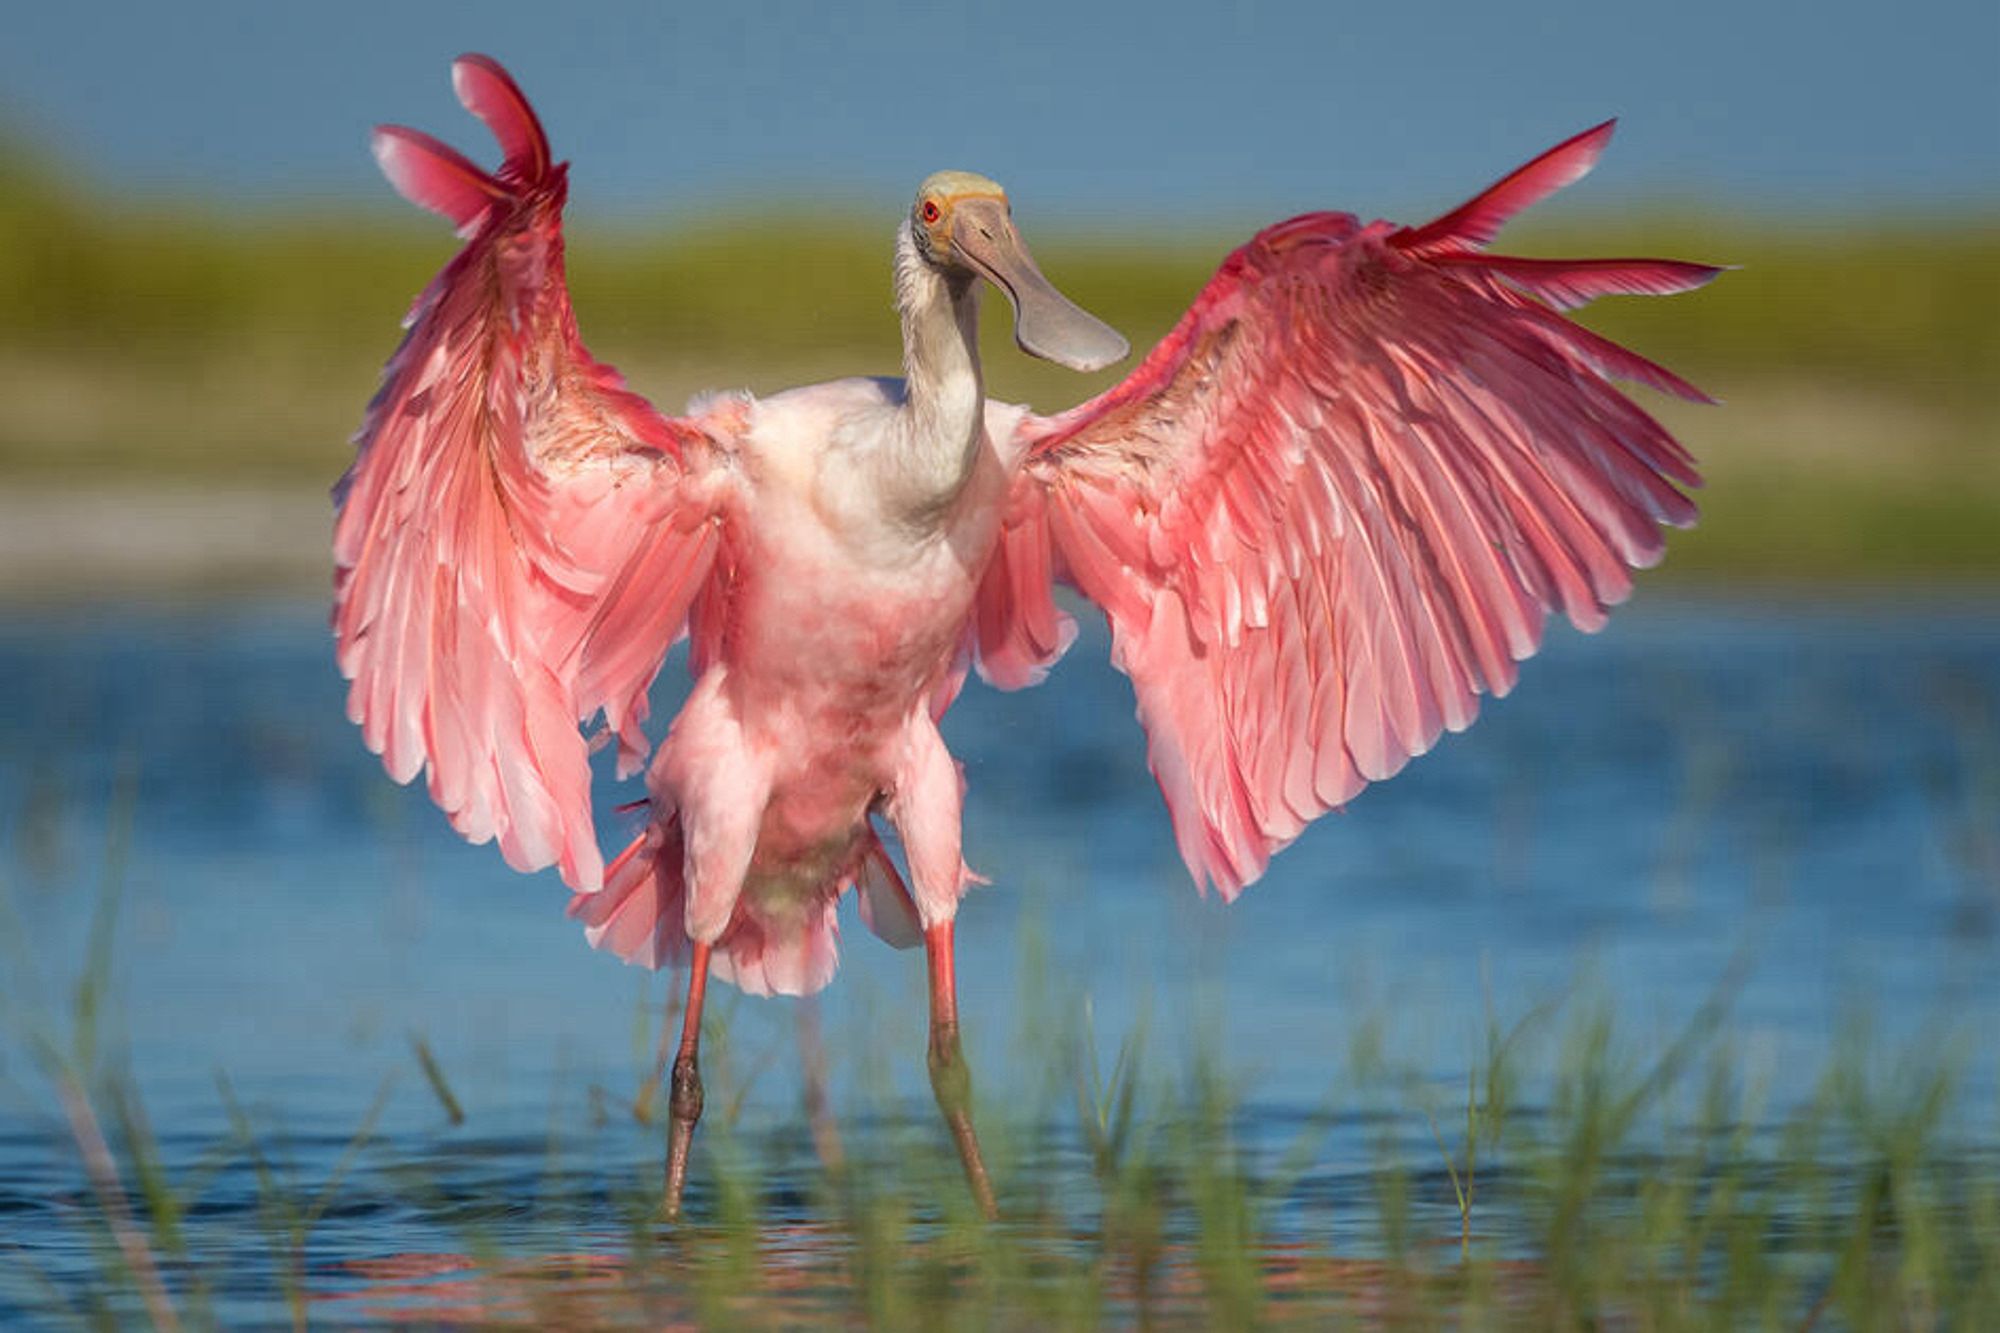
(1337, 504)
(519, 537)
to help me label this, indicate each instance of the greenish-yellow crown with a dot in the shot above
(930, 215)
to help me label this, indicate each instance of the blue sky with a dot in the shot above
(1164, 112)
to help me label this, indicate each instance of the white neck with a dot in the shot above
(942, 417)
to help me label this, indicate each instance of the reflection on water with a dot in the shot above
(798, 1272)
(1810, 792)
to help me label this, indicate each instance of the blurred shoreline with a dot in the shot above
(178, 389)
(177, 543)
(169, 541)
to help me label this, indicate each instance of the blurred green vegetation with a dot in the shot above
(1857, 358)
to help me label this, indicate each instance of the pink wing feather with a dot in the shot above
(1474, 223)
(519, 537)
(1337, 503)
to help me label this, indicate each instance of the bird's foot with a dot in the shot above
(684, 1110)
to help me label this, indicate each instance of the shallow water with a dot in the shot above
(1792, 806)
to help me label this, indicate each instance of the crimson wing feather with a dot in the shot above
(1337, 503)
(519, 537)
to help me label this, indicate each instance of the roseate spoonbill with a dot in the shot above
(1332, 508)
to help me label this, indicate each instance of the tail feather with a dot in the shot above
(1478, 220)
(757, 962)
(641, 912)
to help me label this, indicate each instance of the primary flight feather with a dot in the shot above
(1329, 511)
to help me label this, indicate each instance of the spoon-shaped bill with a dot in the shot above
(1047, 324)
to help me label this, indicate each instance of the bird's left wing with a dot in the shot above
(519, 538)
(1336, 504)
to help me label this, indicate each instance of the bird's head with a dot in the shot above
(962, 225)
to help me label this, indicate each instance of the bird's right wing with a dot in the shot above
(520, 538)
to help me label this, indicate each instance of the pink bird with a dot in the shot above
(1329, 511)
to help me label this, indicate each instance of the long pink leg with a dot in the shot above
(684, 1104)
(951, 1081)
(718, 779)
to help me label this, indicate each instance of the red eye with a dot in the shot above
(929, 212)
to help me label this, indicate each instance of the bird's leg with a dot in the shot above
(950, 1079)
(684, 1102)
(812, 1055)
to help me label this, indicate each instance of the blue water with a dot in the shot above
(1807, 796)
